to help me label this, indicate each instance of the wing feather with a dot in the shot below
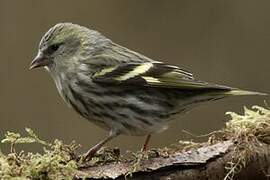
(153, 74)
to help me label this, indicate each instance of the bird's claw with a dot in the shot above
(88, 155)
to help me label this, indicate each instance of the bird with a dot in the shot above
(120, 90)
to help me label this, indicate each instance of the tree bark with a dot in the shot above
(208, 161)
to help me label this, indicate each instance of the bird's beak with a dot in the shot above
(40, 61)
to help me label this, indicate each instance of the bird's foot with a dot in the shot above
(88, 155)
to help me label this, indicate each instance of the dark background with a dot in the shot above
(225, 42)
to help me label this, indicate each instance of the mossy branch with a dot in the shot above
(240, 151)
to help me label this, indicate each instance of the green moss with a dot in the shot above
(248, 132)
(57, 161)
(255, 121)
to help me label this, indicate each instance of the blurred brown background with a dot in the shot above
(226, 42)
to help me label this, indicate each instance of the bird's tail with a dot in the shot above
(239, 92)
(230, 91)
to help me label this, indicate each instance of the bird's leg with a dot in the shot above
(145, 145)
(91, 152)
(140, 155)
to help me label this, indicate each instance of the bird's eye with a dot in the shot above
(52, 48)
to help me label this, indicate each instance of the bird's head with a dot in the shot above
(65, 45)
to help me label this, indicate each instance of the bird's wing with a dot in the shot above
(152, 74)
